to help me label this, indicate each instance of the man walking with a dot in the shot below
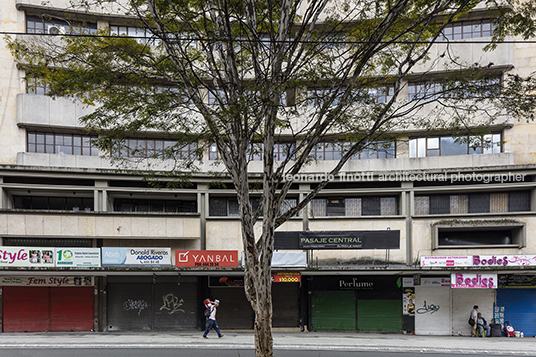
(211, 323)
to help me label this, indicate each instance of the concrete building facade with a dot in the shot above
(416, 217)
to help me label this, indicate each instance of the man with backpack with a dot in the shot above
(211, 323)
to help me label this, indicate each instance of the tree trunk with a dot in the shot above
(263, 322)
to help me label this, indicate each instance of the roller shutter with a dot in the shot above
(139, 306)
(519, 309)
(235, 311)
(38, 309)
(26, 309)
(286, 307)
(334, 310)
(379, 315)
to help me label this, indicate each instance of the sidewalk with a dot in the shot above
(337, 341)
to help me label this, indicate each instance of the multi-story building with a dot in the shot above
(408, 238)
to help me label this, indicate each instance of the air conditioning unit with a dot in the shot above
(55, 30)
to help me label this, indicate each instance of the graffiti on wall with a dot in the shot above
(139, 305)
(172, 303)
(430, 308)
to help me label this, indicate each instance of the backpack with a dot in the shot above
(207, 313)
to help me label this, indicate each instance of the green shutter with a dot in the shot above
(379, 315)
(333, 310)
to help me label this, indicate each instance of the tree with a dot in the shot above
(257, 61)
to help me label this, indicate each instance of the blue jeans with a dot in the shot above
(212, 324)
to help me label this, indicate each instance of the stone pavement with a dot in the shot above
(336, 341)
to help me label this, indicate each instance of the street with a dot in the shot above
(202, 352)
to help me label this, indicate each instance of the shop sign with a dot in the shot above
(136, 257)
(299, 240)
(517, 281)
(27, 257)
(479, 261)
(286, 277)
(40, 280)
(429, 281)
(475, 281)
(331, 240)
(226, 281)
(78, 257)
(206, 258)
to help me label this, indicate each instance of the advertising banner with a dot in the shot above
(78, 257)
(39, 280)
(27, 257)
(479, 260)
(299, 240)
(206, 258)
(136, 257)
(286, 277)
(473, 281)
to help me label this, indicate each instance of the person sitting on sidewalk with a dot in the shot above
(482, 325)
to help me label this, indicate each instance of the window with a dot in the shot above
(66, 144)
(140, 34)
(53, 203)
(431, 90)
(155, 205)
(381, 94)
(35, 86)
(449, 145)
(281, 151)
(335, 151)
(513, 201)
(354, 206)
(155, 148)
(35, 24)
(467, 29)
(456, 234)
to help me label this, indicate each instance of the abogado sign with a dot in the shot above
(136, 257)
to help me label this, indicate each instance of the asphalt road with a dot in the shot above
(201, 352)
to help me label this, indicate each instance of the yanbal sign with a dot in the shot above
(331, 240)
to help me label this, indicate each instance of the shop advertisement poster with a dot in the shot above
(473, 281)
(286, 277)
(78, 257)
(136, 257)
(41, 280)
(27, 257)
(479, 261)
(408, 301)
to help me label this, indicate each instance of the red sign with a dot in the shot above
(206, 258)
(284, 277)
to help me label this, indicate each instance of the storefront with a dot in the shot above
(151, 303)
(38, 302)
(356, 303)
(236, 311)
(47, 303)
(516, 301)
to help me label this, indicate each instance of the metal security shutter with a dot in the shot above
(175, 306)
(129, 306)
(433, 310)
(333, 310)
(379, 315)
(462, 304)
(26, 309)
(519, 309)
(286, 307)
(71, 308)
(235, 311)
